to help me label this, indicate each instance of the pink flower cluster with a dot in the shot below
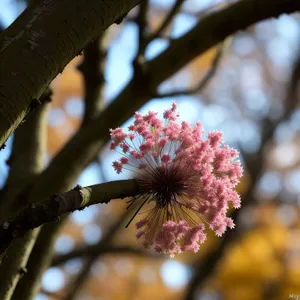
(187, 180)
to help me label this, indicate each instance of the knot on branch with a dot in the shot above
(45, 97)
(121, 19)
(34, 104)
(22, 271)
(5, 225)
(78, 187)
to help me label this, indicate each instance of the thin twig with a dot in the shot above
(59, 296)
(142, 24)
(92, 69)
(291, 100)
(204, 81)
(90, 250)
(167, 21)
(82, 277)
(98, 161)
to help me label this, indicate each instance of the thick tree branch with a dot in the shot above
(13, 267)
(39, 260)
(27, 157)
(46, 36)
(92, 69)
(26, 162)
(44, 246)
(43, 249)
(42, 253)
(51, 209)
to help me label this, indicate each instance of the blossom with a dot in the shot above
(187, 182)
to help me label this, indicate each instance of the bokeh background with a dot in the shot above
(248, 98)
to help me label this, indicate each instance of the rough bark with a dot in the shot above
(26, 162)
(49, 210)
(39, 44)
